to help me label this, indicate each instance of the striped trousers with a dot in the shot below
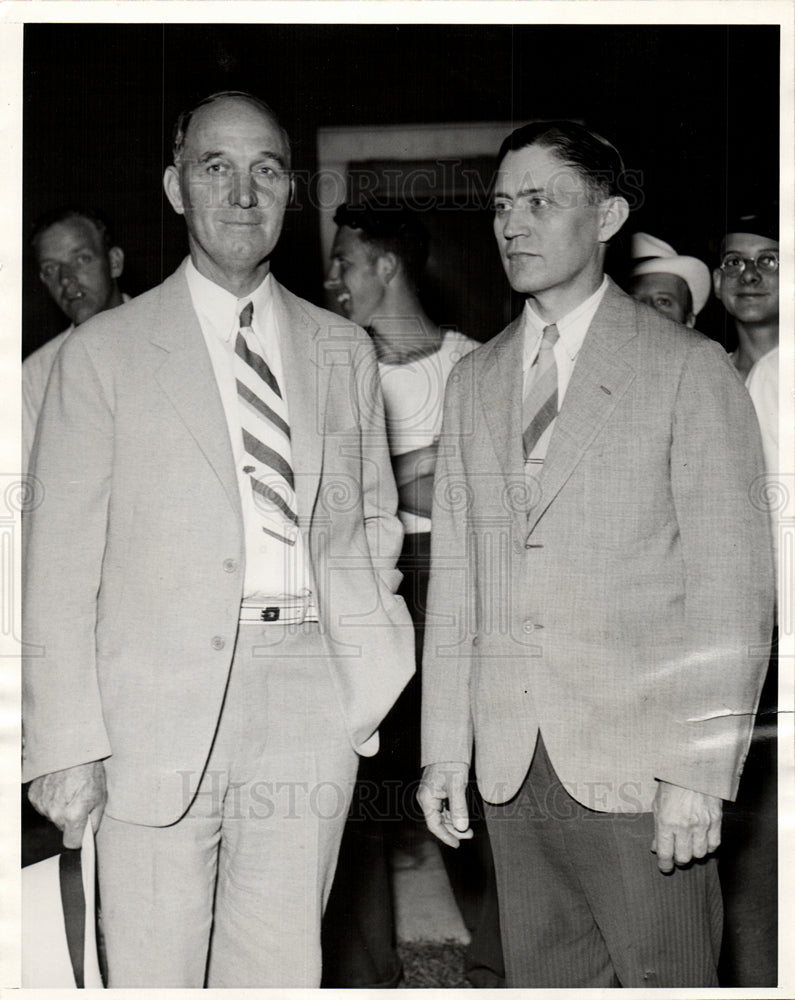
(582, 902)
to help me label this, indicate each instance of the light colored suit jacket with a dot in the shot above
(622, 605)
(134, 561)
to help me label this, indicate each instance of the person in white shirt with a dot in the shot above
(209, 603)
(80, 265)
(377, 263)
(746, 281)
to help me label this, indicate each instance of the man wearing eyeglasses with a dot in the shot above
(746, 282)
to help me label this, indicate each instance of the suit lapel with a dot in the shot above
(500, 387)
(187, 378)
(599, 380)
(306, 384)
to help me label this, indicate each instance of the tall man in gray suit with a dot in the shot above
(210, 586)
(601, 596)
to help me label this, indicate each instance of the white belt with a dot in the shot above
(284, 611)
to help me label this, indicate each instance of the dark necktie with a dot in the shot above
(266, 435)
(540, 406)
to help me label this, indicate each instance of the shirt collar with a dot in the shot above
(219, 309)
(572, 327)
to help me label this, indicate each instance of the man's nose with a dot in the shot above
(751, 274)
(332, 278)
(514, 223)
(244, 191)
(66, 274)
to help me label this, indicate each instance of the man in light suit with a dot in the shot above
(600, 599)
(210, 582)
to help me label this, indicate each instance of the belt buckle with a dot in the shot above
(270, 614)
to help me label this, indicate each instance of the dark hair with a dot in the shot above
(390, 228)
(596, 160)
(64, 214)
(184, 119)
(759, 220)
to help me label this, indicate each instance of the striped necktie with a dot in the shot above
(266, 436)
(541, 400)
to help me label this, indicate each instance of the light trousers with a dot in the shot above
(232, 894)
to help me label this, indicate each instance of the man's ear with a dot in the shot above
(690, 320)
(116, 261)
(717, 281)
(173, 189)
(387, 266)
(291, 199)
(614, 213)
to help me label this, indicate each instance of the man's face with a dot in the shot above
(547, 230)
(232, 185)
(667, 293)
(750, 297)
(353, 277)
(77, 270)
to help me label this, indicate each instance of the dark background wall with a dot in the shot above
(693, 109)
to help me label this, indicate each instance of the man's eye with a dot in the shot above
(215, 168)
(662, 301)
(733, 260)
(500, 207)
(48, 271)
(84, 258)
(538, 202)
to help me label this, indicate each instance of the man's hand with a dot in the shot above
(686, 825)
(69, 797)
(442, 796)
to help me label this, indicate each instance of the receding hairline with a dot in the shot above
(185, 120)
(68, 215)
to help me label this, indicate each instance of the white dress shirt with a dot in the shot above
(571, 329)
(273, 570)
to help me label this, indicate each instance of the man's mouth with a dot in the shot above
(343, 300)
(242, 222)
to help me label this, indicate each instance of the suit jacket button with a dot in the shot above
(218, 642)
(230, 565)
(475, 641)
(528, 627)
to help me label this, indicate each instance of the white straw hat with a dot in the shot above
(655, 256)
